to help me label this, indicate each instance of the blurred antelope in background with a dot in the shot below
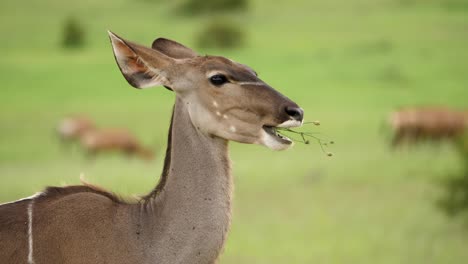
(73, 127)
(94, 140)
(414, 124)
(186, 218)
(114, 139)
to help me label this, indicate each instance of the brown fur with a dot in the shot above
(51, 192)
(13, 231)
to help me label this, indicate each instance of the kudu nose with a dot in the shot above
(295, 112)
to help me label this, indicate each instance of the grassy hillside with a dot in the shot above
(347, 63)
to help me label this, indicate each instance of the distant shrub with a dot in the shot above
(462, 147)
(382, 46)
(455, 5)
(209, 6)
(73, 34)
(392, 74)
(451, 5)
(455, 200)
(221, 33)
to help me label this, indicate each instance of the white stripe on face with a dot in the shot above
(251, 83)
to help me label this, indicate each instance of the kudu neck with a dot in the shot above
(191, 155)
(198, 162)
(192, 202)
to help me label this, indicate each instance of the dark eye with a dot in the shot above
(218, 79)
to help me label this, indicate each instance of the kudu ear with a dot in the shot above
(173, 49)
(142, 67)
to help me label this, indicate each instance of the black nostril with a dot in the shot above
(295, 112)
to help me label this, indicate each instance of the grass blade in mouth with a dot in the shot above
(305, 137)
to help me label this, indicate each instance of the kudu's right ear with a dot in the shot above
(142, 67)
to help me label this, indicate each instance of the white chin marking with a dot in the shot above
(290, 123)
(272, 143)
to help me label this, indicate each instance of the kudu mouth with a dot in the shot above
(273, 132)
(274, 140)
(289, 115)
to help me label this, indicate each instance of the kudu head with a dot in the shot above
(223, 98)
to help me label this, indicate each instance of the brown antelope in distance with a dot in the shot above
(73, 127)
(97, 140)
(414, 124)
(114, 139)
(187, 216)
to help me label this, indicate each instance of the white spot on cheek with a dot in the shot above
(232, 128)
(215, 104)
(225, 116)
(218, 113)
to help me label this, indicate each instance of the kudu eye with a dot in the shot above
(218, 79)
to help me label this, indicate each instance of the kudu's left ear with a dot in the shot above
(173, 49)
(142, 67)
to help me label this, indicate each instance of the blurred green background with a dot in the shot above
(346, 63)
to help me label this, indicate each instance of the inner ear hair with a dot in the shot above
(142, 67)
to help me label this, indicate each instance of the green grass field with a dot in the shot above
(347, 63)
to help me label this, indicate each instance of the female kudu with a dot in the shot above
(185, 219)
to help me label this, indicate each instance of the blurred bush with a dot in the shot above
(455, 200)
(73, 34)
(462, 147)
(452, 5)
(195, 7)
(221, 33)
(381, 46)
(392, 74)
